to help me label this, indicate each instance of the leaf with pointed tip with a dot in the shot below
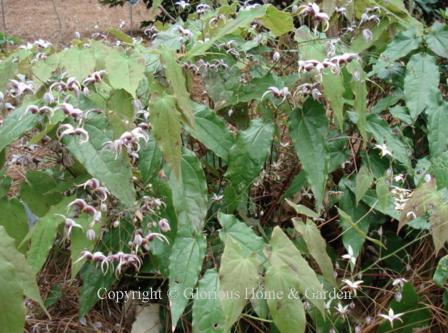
(13, 218)
(383, 194)
(16, 124)
(284, 254)
(186, 259)
(207, 312)
(279, 22)
(302, 210)
(364, 180)
(317, 247)
(420, 83)
(190, 195)
(44, 233)
(359, 88)
(287, 312)
(12, 309)
(249, 241)
(441, 274)
(333, 85)
(211, 131)
(437, 125)
(308, 130)
(403, 43)
(25, 276)
(124, 72)
(238, 276)
(437, 39)
(150, 160)
(176, 80)
(243, 19)
(165, 121)
(78, 63)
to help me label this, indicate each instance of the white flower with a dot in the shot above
(391, 317)
(367, 34)
(353, 285)
(276, 56)
(384, 150)
(182, 4)
(399, 177)
(342, 309)
(277, 92)
(399, 282)
(350, 255)
(217, 197)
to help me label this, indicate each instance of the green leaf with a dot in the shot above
(437, 39)
(359, 88)
(403, 43)
(150, 160)
(384, 133)
(285, 255)
(176, 80)
(24, 274)
(420, 83)
(382, 193)
(437, 125)
(207, 312)
(40, 192)
(78, 63)
(211, 131)
(190, 195)
(186, 259)
(334, 90)
(79, 242)
(439, 221)
(16, 124)
(166, 126)
(308, 130)
(13, 218)
(44, 233)
(302, 210)
(124, 72)
(240, 232)
(248, 154)
(317, 247)
(287, 312)
(364, 180)
(279, 22)
(120, 102)
(12, 309)
(441, 274)
(112, 171)
(238, 278)
(243, 19)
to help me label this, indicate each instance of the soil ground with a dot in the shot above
(35, 19)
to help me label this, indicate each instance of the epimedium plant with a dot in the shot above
(247, 150)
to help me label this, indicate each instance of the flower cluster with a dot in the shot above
(95, 187)
(128, 141)
(202, 65)
(21, 86)
(334, 64)
(67, 129)
(120, 258)
(313, 10)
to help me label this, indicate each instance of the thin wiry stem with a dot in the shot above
(58, 18)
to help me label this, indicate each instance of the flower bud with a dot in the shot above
(91, 234)
(164, 225)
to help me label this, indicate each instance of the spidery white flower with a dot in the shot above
(353, 285)
(182, 4)
(399, 282)
(384, 151)
(391, 316)
(67, 129)
(350, 255)
(342, 309)
(277, 92)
